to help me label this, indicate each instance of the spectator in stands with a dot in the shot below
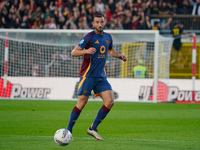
(175, 9)
(164, 8)
(3, 23)
(195, 11)
(24, 24)
(99, 6)
(3, 9)
(47, 13)
(127, 23)
(112, 6)
(44, 5)
(36, 13)
(60, 3)
(61, 23)
(52, 24)
(27, 9)
(37, 23)
(17, 23)
(138, 19)
(196, 7)
(186, 9)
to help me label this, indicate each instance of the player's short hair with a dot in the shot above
(98, 15)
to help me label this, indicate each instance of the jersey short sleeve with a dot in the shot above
(111, 42)
(84, 41)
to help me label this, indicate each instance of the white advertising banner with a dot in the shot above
(57, 88)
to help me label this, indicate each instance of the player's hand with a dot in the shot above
(91, 50)
(123, 57)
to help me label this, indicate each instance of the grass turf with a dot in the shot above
(30, 125)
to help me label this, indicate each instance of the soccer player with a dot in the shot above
(177, 30)
(94, 47)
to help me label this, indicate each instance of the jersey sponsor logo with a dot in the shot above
(101, 55)
(81, 42)
(102, 49)
(97, 42)
(17, 91)
(166, 93)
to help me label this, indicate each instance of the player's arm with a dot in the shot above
(78, 51)
(192, 2)
(167, 23)
(147, 22)
(113, 53)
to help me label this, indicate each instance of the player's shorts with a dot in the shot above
(87, 84)
(177, 44)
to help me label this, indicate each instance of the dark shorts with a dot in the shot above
(87, 84)
(177, 44)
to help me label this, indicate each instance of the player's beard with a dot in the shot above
(100, 29)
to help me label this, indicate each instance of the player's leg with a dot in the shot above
(84, 90)
(108, 100)
(82, 100)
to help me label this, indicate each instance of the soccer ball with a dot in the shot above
(62, 137)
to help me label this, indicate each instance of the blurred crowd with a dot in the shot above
(77, 14)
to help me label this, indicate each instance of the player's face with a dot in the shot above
(99, 23)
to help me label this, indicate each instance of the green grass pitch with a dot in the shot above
(31, 124)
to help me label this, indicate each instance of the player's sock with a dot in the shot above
(102, 113)
(74, 116)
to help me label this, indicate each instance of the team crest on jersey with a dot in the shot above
(107, 42)
(81, 42)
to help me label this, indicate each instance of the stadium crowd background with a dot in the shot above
(77, 14)
(73, 14)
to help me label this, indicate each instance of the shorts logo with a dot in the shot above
(107, 42)
(85, 91)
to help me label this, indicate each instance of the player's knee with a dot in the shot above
(81, 104)
(112, 103)
(109, 104)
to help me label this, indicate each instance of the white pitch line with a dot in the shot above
(86, 138)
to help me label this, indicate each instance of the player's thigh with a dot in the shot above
(108, 98)
(82, 101)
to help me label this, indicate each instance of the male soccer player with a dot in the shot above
(94, 47)
(177, 30)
